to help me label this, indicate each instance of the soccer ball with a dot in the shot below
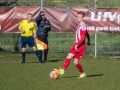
(54, 75)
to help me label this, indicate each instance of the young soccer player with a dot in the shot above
(77, 51)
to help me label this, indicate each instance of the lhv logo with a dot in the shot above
(104, 16)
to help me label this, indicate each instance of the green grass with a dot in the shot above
(103, 73)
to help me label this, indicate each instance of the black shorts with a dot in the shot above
(27, 40)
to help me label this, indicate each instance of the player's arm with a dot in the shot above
(83, 35)
(38, 20)
(34, 31)
(20, 27)
(34, 35)
(48, 27)
(88, 38)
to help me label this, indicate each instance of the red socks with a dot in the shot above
(79, 67)
(66, 63)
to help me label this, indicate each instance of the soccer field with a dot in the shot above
(102, 74)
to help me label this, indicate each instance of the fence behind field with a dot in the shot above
(60, 43)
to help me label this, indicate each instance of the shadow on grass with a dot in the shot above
(69, 77)
(49, 61)
(31, 62)
(96, 75)
(55, 60)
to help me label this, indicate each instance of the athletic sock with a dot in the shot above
(66, 63)
(37, 54)
(23, 56)
(79, 67)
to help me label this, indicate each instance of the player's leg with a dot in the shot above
(23, 55)
(79, 56)
(40, 54)
(46, 50)
(67, 61)
(45, 55)
(40, 51)
(68, 58)
(65, 65)
(37, 54)
(79, 67)
(23, 46)
(32, 44)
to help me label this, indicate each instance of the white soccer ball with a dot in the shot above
(54, 75)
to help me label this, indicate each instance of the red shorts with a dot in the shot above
(80, 53)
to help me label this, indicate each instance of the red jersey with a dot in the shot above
(81, 34)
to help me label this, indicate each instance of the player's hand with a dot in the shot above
(23, 31)
(88, 43)
(34, 36)
(76, 48)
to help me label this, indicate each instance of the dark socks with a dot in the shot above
(23, 57)
(39, 57)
